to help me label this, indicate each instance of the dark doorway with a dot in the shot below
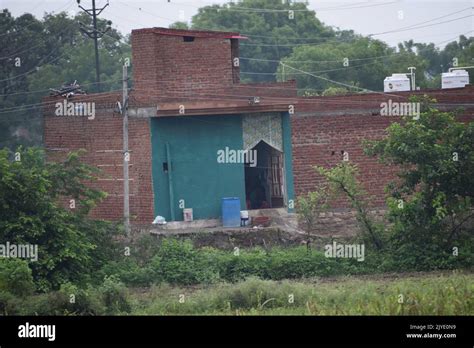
(264, 181)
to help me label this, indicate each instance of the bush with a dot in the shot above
(71, 246)
(430, 203)
(115, 296)
(81, 301)
(177, 262)
(233, 268)
(130, 272)
(9, 303)
(15, 277)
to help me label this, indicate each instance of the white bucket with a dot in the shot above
(188, 214)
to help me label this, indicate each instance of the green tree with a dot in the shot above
(362, 63)
(32, 211)
(431, 201)
(342, 181)
(310, 205)
(272, 30)
(36, 55)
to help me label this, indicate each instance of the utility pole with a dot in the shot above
(94, 34)
(126, 154)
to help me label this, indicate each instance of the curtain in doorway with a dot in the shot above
(262, 126)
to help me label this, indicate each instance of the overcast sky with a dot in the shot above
(363, 16)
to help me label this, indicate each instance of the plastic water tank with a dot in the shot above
(231, 212)
(396, 83)
(454, 79)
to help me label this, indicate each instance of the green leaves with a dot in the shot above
(342, 181)
(310, 205)
(436, 179)
(32, 196)
(272, 33)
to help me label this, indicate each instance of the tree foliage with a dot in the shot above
(431, 200)
(342, 181)
(36, 55)
(32, 211)
(271, 33)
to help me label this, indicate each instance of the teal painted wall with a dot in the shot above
(197, 176)
(287, 153)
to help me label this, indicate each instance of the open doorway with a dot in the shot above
(264, 182)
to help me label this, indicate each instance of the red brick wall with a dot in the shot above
(102, 138)
(165, 66)
(322, 127)
(169, 66)
(319, 140)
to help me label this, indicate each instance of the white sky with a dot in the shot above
(363, 16)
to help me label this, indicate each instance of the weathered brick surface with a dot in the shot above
(169, 66)
(165, 67)
(324, 127)
(342, 222)
(102, 139)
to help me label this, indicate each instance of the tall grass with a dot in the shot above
(425, 295)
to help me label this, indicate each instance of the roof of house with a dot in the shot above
(193, 33)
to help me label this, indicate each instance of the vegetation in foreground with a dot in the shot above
(416, 294)
(433, 294)
(84, 270)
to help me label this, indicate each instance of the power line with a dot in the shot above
(45, 104)
(47, 90)
(313, 72)
(329, 80)
(293, 45)
(430, 20)
(260, 10)
(419, 27)
(94, 33)
(319, 61)
(37, 67)
(392, 55)
(33, 47)
(68, 4)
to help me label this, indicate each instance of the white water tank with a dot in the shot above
(454, 79)
(396, 83)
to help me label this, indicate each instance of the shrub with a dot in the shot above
(70, 245)
(177, 262)
(80, 301)
(9, 303)
(238, 267)
(114, 295)
(130, 272)
(15, 277)
(310, 205)
(430, 204)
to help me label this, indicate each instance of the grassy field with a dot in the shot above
(448, 293)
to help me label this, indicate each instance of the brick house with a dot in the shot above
(187, 106)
